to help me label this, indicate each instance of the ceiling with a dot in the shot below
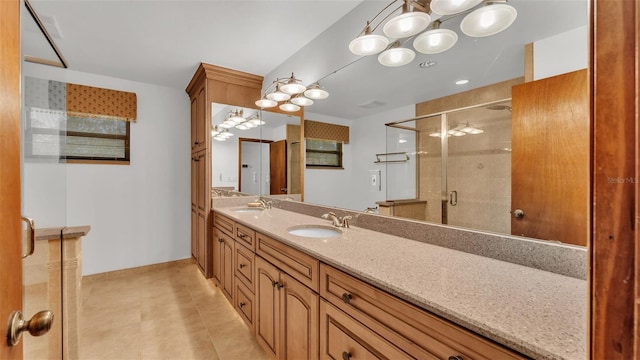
(162, 42)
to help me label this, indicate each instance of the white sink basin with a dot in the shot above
(314, 231)
(248, 210)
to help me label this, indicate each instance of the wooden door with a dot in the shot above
(278, 167)
(299, 320)
(550, 158)
(268, 307)
(10, 226)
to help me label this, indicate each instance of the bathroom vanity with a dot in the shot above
(357, 292)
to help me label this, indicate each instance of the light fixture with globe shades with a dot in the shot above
(291, 94)
(482, 18)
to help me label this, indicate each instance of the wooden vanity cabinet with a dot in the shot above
(287, 314)
(418, 333)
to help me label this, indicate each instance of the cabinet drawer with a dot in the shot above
(246, 236)
(244, 260)
(245, 305)
(223, 223)
(297, 264)
(417, 332)
(342, 337)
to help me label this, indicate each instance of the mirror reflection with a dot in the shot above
(255, 152)
(451, 161)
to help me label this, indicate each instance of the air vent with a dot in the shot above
(51, 25)
(372, 104)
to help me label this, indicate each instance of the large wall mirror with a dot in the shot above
(466, 178)
(255, 152)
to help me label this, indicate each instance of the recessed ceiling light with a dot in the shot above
(427, 64)
(462, 82)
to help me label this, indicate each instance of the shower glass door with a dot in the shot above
(478, 168)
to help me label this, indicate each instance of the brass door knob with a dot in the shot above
(38, 325)
(518, 213)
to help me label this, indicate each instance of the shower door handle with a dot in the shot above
(31, 234)
(453, 198)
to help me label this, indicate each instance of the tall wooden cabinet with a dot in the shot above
(220, 85)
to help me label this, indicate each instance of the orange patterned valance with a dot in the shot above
(326, 131)
(88, 101)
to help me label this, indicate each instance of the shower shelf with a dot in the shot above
(396, 157)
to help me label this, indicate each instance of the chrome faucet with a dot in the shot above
(264, 203)
(337, 221)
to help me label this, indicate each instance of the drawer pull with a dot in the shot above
(242, 266)
(346, 297)
(242, 305)
(347, 355)
(242, 236)
(455, 357)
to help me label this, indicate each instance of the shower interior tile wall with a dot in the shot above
(478, 168)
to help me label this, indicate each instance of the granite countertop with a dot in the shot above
(537, 313)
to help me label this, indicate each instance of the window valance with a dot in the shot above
(89, 101)
(326, 131)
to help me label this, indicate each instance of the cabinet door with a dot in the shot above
(299, 320)
(203, 188)
(216, 261)
(201, 242)
(194, 181)
(227, 268)
(342, 337)
(194, 233)
(201, 121)
(268, 307)
(194, 116)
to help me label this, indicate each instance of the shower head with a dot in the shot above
(499, 107)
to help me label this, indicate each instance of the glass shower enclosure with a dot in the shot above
(457, 169)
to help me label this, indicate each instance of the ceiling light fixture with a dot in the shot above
(488, 20)
(292, 92)
(415, 17)
(396, 56)
(436, 40)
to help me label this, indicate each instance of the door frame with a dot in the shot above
(240, 141)
(10, 186)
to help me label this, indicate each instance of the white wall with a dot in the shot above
(139, 214)
(561, 53)
(349, 188)
(331, 187)
(369, 137)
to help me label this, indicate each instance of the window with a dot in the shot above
(54, 134)
(324, 154)
(77, 123)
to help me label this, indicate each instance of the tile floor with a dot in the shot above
(161, 312)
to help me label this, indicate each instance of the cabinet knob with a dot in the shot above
(220, 240)
(346, 297)
(242, 236)
(455, 357)
(242, 266)
(347, 355)
(242, 305)
(274, 283)
(280, 286)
